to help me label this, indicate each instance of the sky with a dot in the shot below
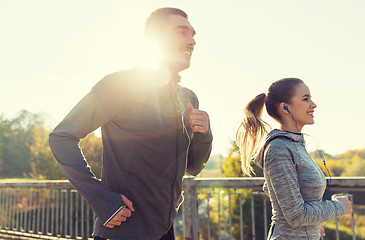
(53, 52)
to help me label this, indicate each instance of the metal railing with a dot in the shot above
(231, 190)
(44, 210)
(219, 208)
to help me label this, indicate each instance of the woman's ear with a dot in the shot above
(284, 108)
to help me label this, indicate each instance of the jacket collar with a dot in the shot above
(277, 133)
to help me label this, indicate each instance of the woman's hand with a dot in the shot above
(345, 200)
(322, 231)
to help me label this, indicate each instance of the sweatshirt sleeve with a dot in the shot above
(89, 114)
(200, 148)
(199, 152)
(281, 174)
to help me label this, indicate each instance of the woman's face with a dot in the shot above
(301, 106)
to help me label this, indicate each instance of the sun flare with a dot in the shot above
(151, 55)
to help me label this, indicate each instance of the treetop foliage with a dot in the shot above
(24, 152)
(24, 149)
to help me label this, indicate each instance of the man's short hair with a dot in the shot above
(158, 19)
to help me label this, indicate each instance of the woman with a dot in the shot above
(293, 181)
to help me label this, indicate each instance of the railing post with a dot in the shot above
(265, 216)
(190, 210)
(253, 216)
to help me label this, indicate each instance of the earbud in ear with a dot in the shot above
(287, 109)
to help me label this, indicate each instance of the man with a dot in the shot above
(152, 133)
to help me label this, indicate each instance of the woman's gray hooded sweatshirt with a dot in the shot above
(295, 185)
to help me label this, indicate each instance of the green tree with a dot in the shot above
(45, 165)
(16, 138)
(356, 168)
(42, 162)
(92, 149)
(232, 163)
(1, 145)
(24, 149)
(232, 168)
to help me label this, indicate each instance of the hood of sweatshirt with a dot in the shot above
(277, 133)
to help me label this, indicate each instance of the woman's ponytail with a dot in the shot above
(251, 131)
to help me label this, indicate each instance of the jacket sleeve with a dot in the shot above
(200, 147)
(89, 114)
(280, 173)
(199, 152)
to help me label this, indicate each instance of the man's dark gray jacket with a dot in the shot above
(145, 150)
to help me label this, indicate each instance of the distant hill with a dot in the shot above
(346, 155)
(316, 154)
(352, 153)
